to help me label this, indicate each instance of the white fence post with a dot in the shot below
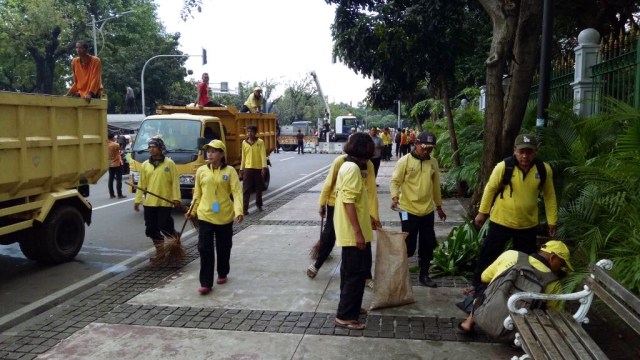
(586, 57)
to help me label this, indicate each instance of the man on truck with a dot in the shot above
(87, 74)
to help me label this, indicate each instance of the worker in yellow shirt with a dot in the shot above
(253, 168)
(386, 142)
(158, 175)
(254, 101)
(216, 185)
(415, 191)
(354, 229)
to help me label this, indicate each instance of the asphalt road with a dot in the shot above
(114, 243)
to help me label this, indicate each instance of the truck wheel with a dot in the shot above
(29, 246)
(266, 180)
(61, 236)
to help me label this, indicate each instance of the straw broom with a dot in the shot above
(313, 253)
(172, 251)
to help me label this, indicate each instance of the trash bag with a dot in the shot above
(392, 286)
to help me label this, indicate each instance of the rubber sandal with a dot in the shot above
(312, 271)
(351, 325)
(204, 290)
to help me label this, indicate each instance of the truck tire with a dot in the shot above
(266, 180)
(61, 236)
(29, 246)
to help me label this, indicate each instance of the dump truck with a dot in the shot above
(288, 136)
(185, 130)
(51, 149)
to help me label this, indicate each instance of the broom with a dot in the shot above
(313, 253)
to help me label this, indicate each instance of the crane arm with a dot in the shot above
(327, 111)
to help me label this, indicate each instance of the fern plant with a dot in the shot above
(456, 256)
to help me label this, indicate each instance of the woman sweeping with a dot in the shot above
(217, 200)
(354, 229)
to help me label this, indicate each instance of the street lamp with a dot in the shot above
(103, 21)
(399, 121)
(204, 62)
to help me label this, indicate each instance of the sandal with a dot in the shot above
(312, 271)
(351, 325)
(470, 290)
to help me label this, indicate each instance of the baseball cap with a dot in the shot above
(215, 144)
(157, 142)
(427, 138)
(559, 248)
(526, 141)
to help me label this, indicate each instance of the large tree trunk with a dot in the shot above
(516, 31)
(46, 63)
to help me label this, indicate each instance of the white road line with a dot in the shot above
(112, 204)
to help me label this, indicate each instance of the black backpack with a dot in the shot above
(509, 164)
(490, 309)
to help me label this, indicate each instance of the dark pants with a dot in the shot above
(115, 173)
(404, 149)
(223, 242)
(387, 152)
(422, 235)
(301, 147)
(356, 265)
(376, 165)
(158, 222)
(327, 239)
(252, 182)
(493, 245)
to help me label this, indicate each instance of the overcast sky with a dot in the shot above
(250, 40)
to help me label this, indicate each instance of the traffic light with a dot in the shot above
(204, 56)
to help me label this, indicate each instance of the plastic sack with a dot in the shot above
(392, 286)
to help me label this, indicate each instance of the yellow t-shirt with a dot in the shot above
(508, 259)
(350, 189)
(386, 138)
(254, 156)
(253, 104)
(161, 180)
(328, 192)
(217, 185)
(416, 183)
(519, 210)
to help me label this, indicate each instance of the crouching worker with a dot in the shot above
(513, 272)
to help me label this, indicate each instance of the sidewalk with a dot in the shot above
(269, 309)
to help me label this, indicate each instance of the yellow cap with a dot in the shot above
(559, 248)
(215, 144)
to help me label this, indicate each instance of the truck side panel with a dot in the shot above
(50, 143)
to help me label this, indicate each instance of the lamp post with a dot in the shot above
(204, 56)
(103, 21)
(399, 121)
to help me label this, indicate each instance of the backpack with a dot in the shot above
(509, 164)
(490, 309)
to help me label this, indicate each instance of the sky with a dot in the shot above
(277, 41)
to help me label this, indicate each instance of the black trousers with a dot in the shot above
(252, 182)
(493, 245)
(115, 173)
(356, 265)
(387, 152)
(397, 150)
(223, 242)
(376, 165)
(300, 147)
(421, 235)
(158, 222)
(327, 239)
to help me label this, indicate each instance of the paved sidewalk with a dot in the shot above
(269, 309)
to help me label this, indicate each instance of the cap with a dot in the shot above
(526, 141)
(559, 248)
(215, 144)
(156, 141)
(426, 138)
(257, 88)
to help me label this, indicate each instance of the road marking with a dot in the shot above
(113, 204)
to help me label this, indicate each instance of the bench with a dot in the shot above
(548, 334)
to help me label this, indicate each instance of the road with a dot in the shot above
(114, 243)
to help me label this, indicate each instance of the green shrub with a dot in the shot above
(457, 255)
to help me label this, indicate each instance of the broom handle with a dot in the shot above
(150, 193)
(185, 220)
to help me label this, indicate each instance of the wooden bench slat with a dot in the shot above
(557, 342)
(616, 288)
(529, 342)
(575, 336)
(626, 314)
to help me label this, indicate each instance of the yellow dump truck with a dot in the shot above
(51, 149)
(185, 130)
